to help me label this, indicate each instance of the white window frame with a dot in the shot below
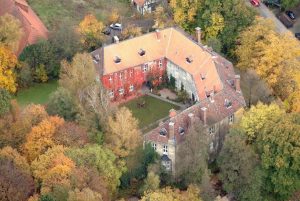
(110, 79)
(212, 130)
(121, 91)
(121, 76)
(154, 146)
(160, 63)
(131, 73)
(111, 94)
(231, 119)
(165, 149)
(131, 88)
(145, 68)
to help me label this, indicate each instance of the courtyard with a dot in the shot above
(148, 110)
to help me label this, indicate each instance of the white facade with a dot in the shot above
(148, 7)
(184, 78)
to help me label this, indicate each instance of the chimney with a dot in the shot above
(198, 35)
(237, 84)
(158, 34)
(191, 118)
(116, 39)
(204, 115)
(172, 113)
(171, 131)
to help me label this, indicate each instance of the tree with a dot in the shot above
(90, 30)
(161, 18)
(215, 26)
(151, 183)
(84, 195)
(71, 135)
(24, 75)
(289, 3)
(239, 168)
(16, 182)
(123, 134)
(102, 159)
(167, 194)
(130, 32)
(10, 31)
(256, 118)
(278, 145)
(8, 62)
(41, 137)
(62, 104)
(42, 56)
(263, 49)
(4, 101)
(52, 168)
(114, 16)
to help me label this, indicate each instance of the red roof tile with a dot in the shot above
(33, 27)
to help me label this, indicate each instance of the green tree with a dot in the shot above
(62, 104)
(151, 183)
(239, 168)
(289, 3)
(4, 101)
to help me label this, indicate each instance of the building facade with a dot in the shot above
(208, 78)
(145, 6)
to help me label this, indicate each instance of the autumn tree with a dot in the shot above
(83, 195)
(167, 194)
(10, 31)
(4, 101)
(123, 134)
(131, 31)
(41, 137)
(263, 49)
(8, 62)
(239, 168)
(102, 159)
(151, 183)
(161, 18)
(16, 182)
(90, 30)
(114, 16)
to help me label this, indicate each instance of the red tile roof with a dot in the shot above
(33, 27)
(139, 2)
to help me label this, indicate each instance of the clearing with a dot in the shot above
(37, 94)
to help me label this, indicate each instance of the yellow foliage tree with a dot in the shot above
(10, 31)
(265, 50)
(131, 31)
(161, 19)
(8, 62)
(114, 16)
(52, 168)
(215, 27)
(84, 195)
(90, 30)
(40, 74)
(123, 134)
(40, 137)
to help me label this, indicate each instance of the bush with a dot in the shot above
(4, 101)
(24, 76)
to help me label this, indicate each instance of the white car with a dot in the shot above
(116, 26)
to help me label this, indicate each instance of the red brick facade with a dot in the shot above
(128, 82)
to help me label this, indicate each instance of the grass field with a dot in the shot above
(154, 110)
(53, 12)
(38, 93)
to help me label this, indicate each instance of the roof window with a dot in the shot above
(142, 52)
(227, 103)
(189, 59)
(117, 59)
(163, 132)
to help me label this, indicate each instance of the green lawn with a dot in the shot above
(154, 110)
(38, 93)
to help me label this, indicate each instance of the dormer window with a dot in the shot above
(202, 76)
(181, 130)
(227, 103)
(117, 60)
(189, 59)
(163, 132)
(142, 52)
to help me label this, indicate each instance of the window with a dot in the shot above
(211, 130)
(131, 72)
(211, 146)
(121, 91)
(111, 94)
(110, 79)
(131, 87)
(145, 68)
(160, 63)
(121, 76)
(167, 165)
(231, 119)
(163, 132)
(154, 146)
(165, 149)
(181, 130)
(228, 103)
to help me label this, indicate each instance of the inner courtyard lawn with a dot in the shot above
(153, 110)
(38, 93)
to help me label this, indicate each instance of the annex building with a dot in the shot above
(208, 78)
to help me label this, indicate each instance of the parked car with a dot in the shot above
(274, 3)
(290, 14)
(255, 3)
(116, 26)
(297, 35)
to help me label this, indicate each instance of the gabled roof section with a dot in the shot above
(33, 27)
